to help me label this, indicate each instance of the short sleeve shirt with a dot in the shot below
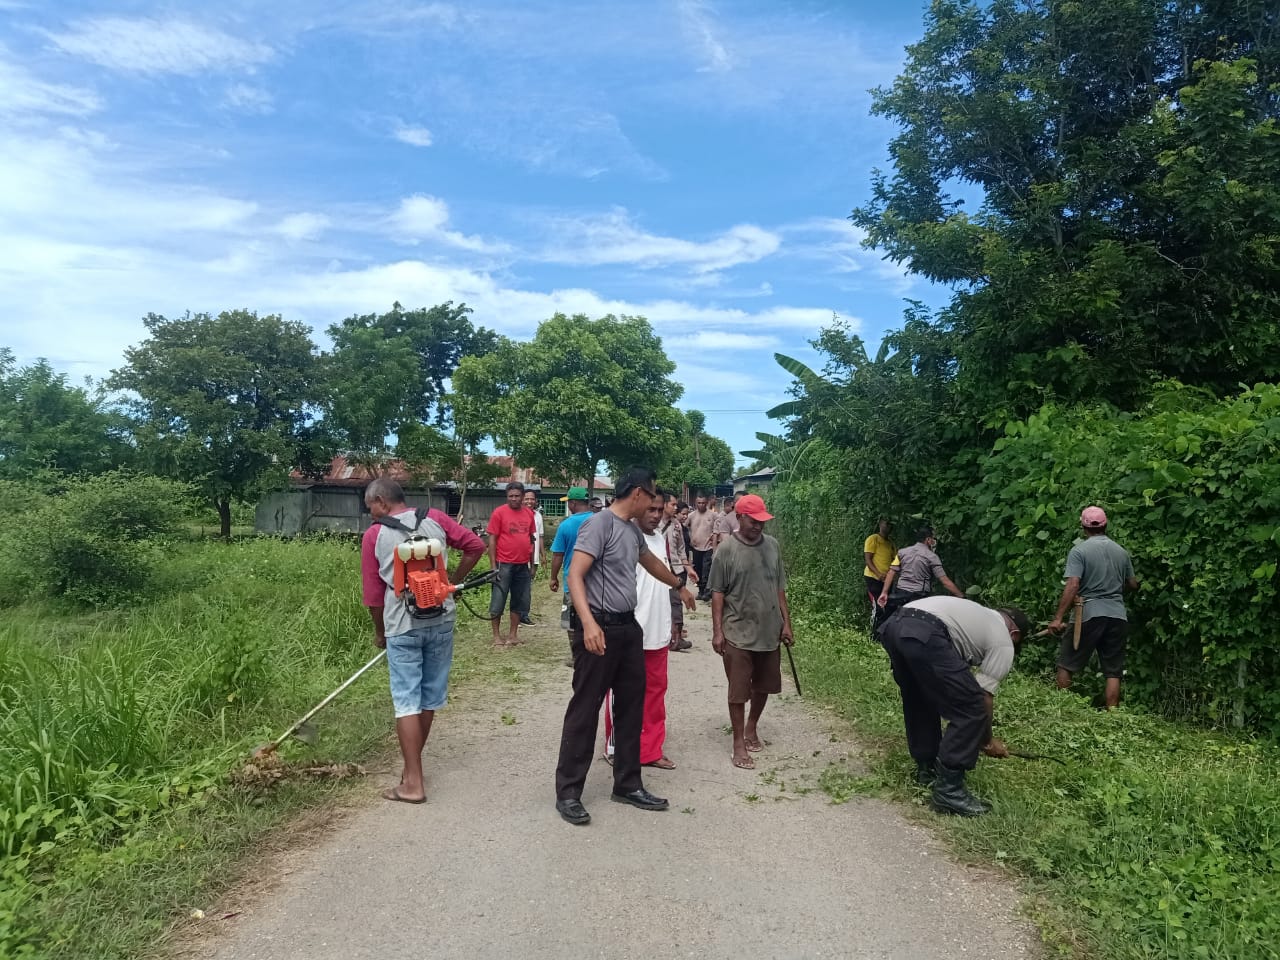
(514, 530)
(565, 538)
(726, 526)
(881, 549)
(377, 564)
(617, 547)
(673, 533)
(750, 575)
(918, 567)
(1102, 566)
(653, 598)
(701, 526)
(978, 633)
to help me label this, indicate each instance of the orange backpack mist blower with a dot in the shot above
(420, 576)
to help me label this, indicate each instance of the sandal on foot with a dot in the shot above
(393, 793)
(744, 763)
(756, 745)
(662, 763)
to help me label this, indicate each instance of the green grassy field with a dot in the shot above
(118, 729)
(1155, 840)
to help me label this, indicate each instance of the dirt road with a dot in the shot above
(746, 863)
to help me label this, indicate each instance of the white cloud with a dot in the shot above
(838, 245)
(614, 239)
(422, 218)
(248, 99)
(697, 21)
(302, 226)
(414, 136)
(21, 93)
(712, 340)
(146, 45)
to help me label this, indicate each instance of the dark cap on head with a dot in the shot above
(1020, 620)
(635, 477)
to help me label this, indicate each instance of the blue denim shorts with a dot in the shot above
(419, 663)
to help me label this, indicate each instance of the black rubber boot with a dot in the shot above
(951, 796)
(926, 772)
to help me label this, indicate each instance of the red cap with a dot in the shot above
(1093, 518)
(753, 507)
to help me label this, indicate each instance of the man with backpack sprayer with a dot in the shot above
(419, 644)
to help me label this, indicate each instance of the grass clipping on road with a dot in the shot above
(124, 802)
(1155, 840)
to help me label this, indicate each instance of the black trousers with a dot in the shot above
(936, 683)
(622, 670)
(702, 563)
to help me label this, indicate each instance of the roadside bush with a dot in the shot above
(1191, 484)
(92, 541)
(1192, 488)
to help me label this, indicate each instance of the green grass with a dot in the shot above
(1156, 840)
(118, 729)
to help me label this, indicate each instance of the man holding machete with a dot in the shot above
(1098, 573)
(749, 622)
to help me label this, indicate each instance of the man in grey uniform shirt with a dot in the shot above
(932, 644)
(913, 571)
(608, 647)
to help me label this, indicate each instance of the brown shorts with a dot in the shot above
(752, 671)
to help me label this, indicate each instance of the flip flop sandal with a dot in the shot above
(662, 763)
(393, 793)
(747, 764)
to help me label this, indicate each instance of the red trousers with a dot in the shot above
(653, 734)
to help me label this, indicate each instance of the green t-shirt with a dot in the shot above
(750, 575)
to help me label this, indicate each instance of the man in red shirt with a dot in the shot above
(511, 531)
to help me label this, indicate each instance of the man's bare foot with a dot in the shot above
(743, 761)
(753, 743)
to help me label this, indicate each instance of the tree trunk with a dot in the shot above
(224, 517)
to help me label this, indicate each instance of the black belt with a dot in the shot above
(912, 614)
(605, 618)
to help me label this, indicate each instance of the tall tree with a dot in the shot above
(436, 338)
(47, 424)
(1124, 157)
(222, 402)
(582, 392)
(697, 459)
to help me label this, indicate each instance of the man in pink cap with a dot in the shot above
(749, 621)
(1098, 573)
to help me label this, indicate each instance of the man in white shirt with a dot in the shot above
(932, 644)
(653, 613)
(531, 503)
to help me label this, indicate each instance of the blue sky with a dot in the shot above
(687, 161)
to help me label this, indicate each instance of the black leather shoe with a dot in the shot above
(641, 798)
(926, 772)
(950, 795)
(527, 621)
(574, 812)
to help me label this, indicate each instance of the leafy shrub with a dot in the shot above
(1191, 485)
(1192, 489)
(90, 541)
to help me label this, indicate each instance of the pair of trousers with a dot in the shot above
(702, 563)
(653, 729)
(621, 669)
(936, 683)
(677, 605)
